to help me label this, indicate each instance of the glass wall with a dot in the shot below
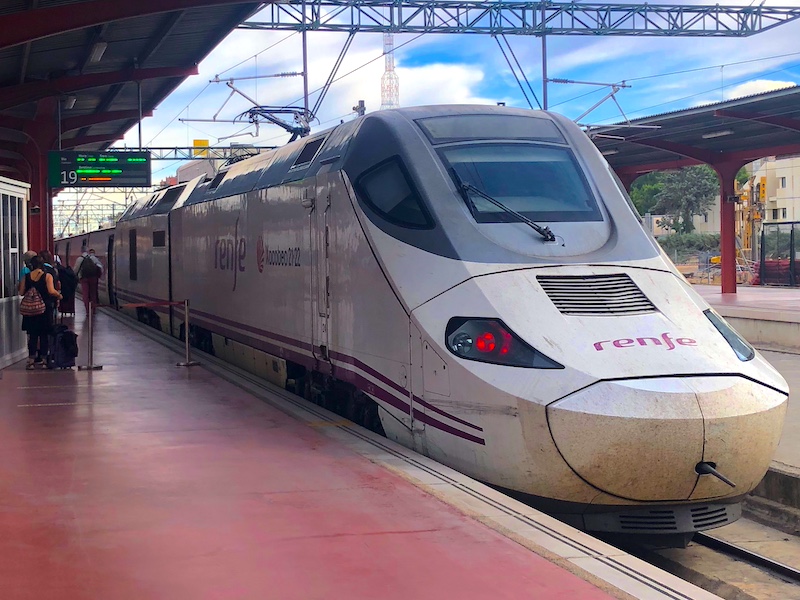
(13, 207)
(11, 250)
(780, 243)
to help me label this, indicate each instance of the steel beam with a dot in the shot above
(72, 123)
(68, 144)
(783, 122)
(28, 92)
(521, 18)
(29, 25)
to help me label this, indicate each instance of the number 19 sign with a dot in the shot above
(98, 169)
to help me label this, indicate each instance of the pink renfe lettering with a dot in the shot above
(664, 340)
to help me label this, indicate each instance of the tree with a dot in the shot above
(742, 177)
(644, 191)
(684, 194)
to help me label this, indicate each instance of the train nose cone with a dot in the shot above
(642, 439)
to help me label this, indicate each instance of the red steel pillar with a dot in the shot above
(628, 178)
(42, 134)
(726, 172)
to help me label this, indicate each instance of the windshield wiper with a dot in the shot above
(545, 232)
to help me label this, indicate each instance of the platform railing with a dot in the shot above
(187, 361)
(91, 366)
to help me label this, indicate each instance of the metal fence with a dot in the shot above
(780, 243)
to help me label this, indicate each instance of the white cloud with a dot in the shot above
(440, 84)
(470, 70)
(758, 86)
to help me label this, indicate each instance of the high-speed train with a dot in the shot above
(474, 283)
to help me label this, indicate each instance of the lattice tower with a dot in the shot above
(390, 83)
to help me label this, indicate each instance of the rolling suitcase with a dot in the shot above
(67, 306)
(63, 348)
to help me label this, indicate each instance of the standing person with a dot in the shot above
(26, 264)
(69, 284)
(40, 326)
(89, 270)
(49, 267)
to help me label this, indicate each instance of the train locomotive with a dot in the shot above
(474, 283)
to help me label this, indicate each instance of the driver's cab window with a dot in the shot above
(387, 189)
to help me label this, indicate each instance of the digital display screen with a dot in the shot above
(75, 169)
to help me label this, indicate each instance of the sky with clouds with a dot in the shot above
(665, 74)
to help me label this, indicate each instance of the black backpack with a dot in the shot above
(89, 268)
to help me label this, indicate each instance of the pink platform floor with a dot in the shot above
(147, 481)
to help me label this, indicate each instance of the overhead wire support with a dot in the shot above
(332, 76)
(520, 18)
(514, 72)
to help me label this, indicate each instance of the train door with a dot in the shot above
(112, 296)
(320, 276)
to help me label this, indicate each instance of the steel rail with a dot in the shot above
(753, 558)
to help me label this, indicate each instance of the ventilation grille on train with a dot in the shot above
(653, 520)
(664, 520)
(596, 295)
(704, 517)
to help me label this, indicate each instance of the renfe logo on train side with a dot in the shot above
(230, 253)
(664, 340)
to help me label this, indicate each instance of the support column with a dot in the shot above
(627, 179)
(42, 132)
(727, 175)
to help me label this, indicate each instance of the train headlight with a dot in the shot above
(743, 350)
(489, 340)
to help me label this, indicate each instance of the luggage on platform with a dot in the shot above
(66, 306)
(63, 348)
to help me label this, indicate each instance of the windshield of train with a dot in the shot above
(543, 183)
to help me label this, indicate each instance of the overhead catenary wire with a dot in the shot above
(693, 70)
(514, 73)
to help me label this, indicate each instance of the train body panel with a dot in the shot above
(474, 283)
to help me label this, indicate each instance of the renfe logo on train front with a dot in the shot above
(665, 340)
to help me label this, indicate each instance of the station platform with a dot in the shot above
(147, 480)
(769, 318)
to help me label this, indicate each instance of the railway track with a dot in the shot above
(759, 560)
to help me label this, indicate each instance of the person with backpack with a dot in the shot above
(39, 297)
(69, 285)
(89, 270)
(49, 268)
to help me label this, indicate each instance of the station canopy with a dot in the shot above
(87, 59)
(723, 135)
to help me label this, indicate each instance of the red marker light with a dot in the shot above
(486, 342)
(506, 342)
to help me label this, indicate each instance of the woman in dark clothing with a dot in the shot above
(39, 326)
(69, 284)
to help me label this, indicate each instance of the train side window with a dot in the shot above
(216, 181)
(159, 239)
(133, 270)
(387, 189)
(308, 153)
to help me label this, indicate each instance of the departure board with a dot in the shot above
(98, 169)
